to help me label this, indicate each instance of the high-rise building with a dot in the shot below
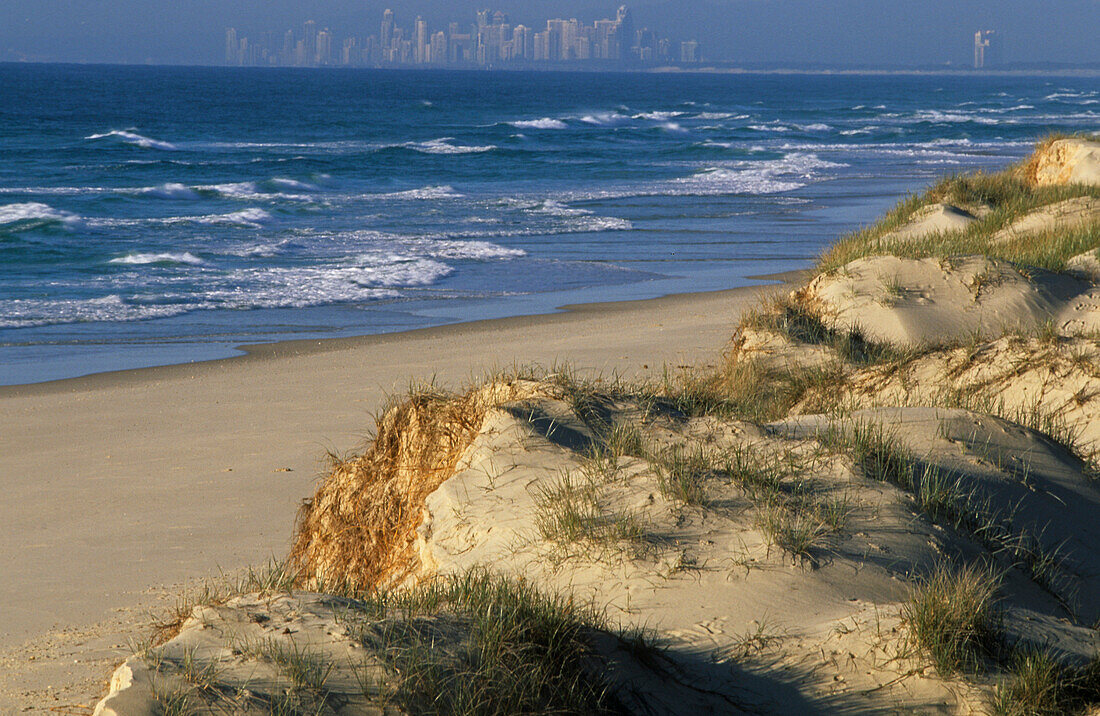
(387, 30)
(309, 38)
(689, 52)
(423, 41)
(439, 48)
(324, 48)
(521, 49)
(231, 48)
(624, 32)
(986, 49)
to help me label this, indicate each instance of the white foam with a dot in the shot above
(171, 190)
(56, 190)
(673, 127)
(718, 181)
(36, 213)
(556, 208)
(21, 313)
(605, 119)
(712, 116)
(293, 184)
(245, 217)
(659, 116)
(932, 115)
(163, 258)
(425, 193)
(251, 191)
(769, 128)
(468, 250)
(131, 137)
(817, 127)
(544, 123)
(442, 146)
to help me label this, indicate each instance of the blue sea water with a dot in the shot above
(161, 215)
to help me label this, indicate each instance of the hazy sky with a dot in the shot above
(795, 31)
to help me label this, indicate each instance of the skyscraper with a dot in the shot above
(423, 41)
(309, 40)
(625, 32)
(387, 30)
(985, 49)
(231, 47)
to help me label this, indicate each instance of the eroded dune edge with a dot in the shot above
(882, 497)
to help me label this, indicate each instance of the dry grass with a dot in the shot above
(1007, 196)
(359, 528)
(951, 620)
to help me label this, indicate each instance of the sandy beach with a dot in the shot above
(121, 487)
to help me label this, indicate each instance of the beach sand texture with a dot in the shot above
(120, 488)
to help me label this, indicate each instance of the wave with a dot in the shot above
(23, 313)
(56, 190)
(556, 208)
(32, 215)
(442, 146)
(544, 123)
(817, 127)
(245, 217)
(294, 184)
(673, 127)
(138, 259)
(425, 193)
(131, 137)
(251, 218)
(659, 116)
(935, 116)
(171, 190)
(711, 116)
(769, 128)
(605, 119)
(251, 191)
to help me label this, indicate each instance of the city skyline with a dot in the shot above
(491, 41)
(842, 33)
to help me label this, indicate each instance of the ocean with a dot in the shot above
(159, 215)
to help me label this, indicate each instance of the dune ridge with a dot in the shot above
(882, 497)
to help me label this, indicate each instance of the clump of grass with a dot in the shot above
(950, 617)
(1034, 686)
(503, 648)
(572, 513)
(788, 317)
(683, 473)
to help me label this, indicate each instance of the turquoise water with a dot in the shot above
(161, 215)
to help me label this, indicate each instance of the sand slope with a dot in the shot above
(918, 302)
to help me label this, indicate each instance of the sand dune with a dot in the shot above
(881, 498)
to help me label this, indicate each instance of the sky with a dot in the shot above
(830, 32)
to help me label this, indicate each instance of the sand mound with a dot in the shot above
(920, 302)
(1052, 383)
(359, 528)
(1086, 266)
(1063, 215)
(936, 218)
(1065, 161)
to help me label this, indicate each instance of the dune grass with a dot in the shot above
(502, 647)
(950, 617)
(1006, 196)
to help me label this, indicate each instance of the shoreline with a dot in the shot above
(122, 486)
(311, 346)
